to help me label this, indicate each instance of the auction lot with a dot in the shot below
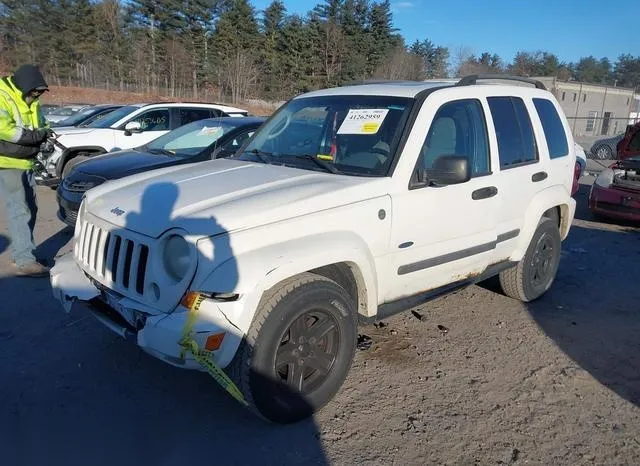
(474, 378)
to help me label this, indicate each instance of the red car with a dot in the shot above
(616, 191)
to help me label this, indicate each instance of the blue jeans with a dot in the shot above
(18, 192)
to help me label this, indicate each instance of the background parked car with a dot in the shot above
(48, 108)
(605, 149)
(129, 126)
(62, 113)
(195, 142)
(629, 146)
(87, 115)
(615, 193)
(581, 159)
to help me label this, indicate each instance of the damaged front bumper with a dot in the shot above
(156, 333)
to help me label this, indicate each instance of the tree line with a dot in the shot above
(196, 48)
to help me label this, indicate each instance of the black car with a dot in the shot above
(201, 140)
(87, 115)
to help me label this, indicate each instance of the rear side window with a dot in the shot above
(187, 115)
(553, 129)
(154, 120)
(514, 131)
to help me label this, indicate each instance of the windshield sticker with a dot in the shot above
(363, 121)
(213, 131)
(325, 157)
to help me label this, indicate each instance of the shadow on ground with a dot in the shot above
(48, 250)
(74, 393)
(592, 311)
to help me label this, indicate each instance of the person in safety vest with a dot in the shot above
(22, 129)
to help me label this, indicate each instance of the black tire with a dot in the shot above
(258, 364)
(72, 162)
(535, 273)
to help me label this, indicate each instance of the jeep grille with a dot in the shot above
(114, 259)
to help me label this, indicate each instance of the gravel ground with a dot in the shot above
(474, 378)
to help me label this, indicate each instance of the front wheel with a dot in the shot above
(298, 350)
(536, 271)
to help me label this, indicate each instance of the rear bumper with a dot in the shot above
(156, 333)
(615, 203)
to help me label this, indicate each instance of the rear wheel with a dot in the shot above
(603, 152)
(535, 273)
(298, 350)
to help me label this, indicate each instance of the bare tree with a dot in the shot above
(239, 72)
(331, 50)
(460, 56)
(109, 13)
(399, 64)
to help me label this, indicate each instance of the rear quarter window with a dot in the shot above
(553, 130)
(516, 142)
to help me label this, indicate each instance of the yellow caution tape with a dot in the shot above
(203, 357)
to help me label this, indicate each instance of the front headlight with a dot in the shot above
(79, 186)
(176, 257)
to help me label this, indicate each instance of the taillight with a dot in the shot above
(576, 178)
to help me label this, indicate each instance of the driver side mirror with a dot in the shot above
(132, 127)
(447, 169)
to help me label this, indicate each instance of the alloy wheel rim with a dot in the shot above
(542, 261)
(308, 351)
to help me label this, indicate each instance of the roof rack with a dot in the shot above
(359, 82)
(473, 79)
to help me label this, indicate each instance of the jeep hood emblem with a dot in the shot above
(117, 211)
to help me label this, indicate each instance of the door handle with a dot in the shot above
(484, 193)
(540, 176)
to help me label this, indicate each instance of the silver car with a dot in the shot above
(62, 113)
(605, 149)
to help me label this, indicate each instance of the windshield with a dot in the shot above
(190, 139)
(79, 116)
(353, 135)
(113, 117)
(96, 117)
(65, 111)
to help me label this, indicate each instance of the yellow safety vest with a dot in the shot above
(14, 115)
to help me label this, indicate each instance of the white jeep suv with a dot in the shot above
(348, 205)
(125, 128)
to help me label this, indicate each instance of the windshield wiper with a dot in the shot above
(321, 163)
(260, 155)
(161, 151)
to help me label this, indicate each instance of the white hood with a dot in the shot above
(221, 195)
(80, 137)
(72, 130)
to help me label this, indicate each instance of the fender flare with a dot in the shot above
(66, 155)
(255, 271)
(542, 202)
